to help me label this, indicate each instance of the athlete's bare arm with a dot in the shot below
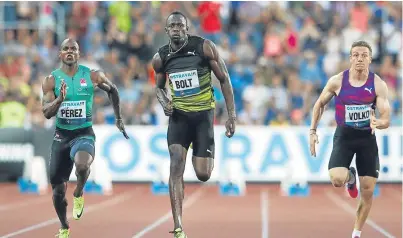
(51, 103)
(219, 69)
(161, 80)
(382, 103)
(331, 89)
(99, 80)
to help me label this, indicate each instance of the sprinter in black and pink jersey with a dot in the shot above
(358, 92)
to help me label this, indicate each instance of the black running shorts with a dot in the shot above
(348, 142)
(64, 146)
(193, 127)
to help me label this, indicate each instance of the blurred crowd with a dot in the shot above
(279, 54)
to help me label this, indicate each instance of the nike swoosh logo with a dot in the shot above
(81, 213)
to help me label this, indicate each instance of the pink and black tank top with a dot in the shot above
(353, 104)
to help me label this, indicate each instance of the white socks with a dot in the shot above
(356, 234)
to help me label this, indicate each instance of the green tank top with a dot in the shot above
(75, 112)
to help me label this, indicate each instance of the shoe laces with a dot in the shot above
(78, 202)
(62, 232)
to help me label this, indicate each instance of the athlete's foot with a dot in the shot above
(63, 233)
(352, 188)
(178, 233)
(78, 207)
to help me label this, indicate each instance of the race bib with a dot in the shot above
(185, 83)
(357, 115)
(72, 110)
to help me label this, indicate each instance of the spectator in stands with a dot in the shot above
(248, 116)
(256, 95)
(279, 55)
(280, 120)
(12, 111)
(310, 71)
(245, 52)
(210, 21)
(278, 91)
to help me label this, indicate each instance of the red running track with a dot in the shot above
(133, 212)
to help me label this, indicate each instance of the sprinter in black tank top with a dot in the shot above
(187, 62)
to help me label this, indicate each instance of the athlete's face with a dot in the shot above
(69, 52)
(176, 28)
(360, 58)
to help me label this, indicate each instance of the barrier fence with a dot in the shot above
(265, 153)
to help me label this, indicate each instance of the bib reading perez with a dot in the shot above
(75, 112)
(353, 104)
(189, 76)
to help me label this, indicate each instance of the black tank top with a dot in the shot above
(189, 75)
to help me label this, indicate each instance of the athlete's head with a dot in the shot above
(69, 52)
(360, 55)
(176, 27)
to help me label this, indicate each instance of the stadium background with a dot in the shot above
(279, 56)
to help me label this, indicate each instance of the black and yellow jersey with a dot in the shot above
(189, 75)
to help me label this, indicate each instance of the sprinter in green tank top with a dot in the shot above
(68, 94)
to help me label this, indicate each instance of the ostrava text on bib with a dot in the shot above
(75, 112)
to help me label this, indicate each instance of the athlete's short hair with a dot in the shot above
(361, 43)
(177, 13)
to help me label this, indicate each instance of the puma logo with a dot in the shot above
(368, 89)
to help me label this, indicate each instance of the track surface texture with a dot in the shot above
(133, 212)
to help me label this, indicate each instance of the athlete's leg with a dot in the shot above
(176, 183)
(179, 140)
(203, 146)
(339, 163)
(60, 168)
(82, 161)
(82, 151)
(367, 186)
(203, 167)
(367, 162)
(60, 203)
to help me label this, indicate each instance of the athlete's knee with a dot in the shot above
(82, 168)
(366, 191)
(203, 167)
(338, 176)
(337, 181)
(59, 190)
(203, 176)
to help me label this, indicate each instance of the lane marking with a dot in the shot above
(23, 204)
(92, 208)
(194, 197)
(264, 208)
(349, 209)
